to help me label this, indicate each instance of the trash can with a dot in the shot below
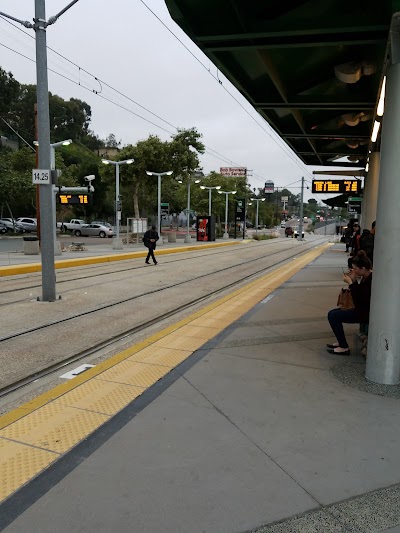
(31, 245)
(172, 236)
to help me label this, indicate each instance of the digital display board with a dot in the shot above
(74, 199)
(336, 186)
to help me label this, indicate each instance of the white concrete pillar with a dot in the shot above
(383, 362)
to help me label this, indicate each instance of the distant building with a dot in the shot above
(9, 143)
(107, 152)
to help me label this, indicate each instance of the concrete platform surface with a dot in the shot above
(252, 433)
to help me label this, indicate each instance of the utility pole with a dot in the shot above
(301, 210)
(46, 191)
(46, 215)
(326, 220)
(37, 166)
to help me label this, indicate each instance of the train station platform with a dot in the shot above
(235, 419)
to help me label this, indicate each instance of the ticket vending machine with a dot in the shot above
(205, 228)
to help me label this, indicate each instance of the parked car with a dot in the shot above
(12, 225)
(71, 225)
(29, 224)
(3, 228)
(102, 223)
(94, 230)
(283, 224)
(296, 232)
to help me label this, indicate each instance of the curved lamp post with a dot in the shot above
(227, 193)
(209, 195)
(117, 245)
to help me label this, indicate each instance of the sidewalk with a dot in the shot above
(252, 429)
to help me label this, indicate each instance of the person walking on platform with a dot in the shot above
(361, 295)
(150, 239)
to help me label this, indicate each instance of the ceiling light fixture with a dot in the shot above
(375, 131)
(381, 103)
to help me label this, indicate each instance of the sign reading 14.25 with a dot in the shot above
(41, 177)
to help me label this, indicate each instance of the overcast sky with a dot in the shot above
(123, 43)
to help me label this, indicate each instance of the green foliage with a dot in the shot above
(16, 181)
(70, 119)
(9, 88)
(263, 237)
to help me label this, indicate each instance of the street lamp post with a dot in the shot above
(53, 146)
(209, 195)
(117, 244)
(196, 179)
(159, 175)
(227, 193)
(258, 200)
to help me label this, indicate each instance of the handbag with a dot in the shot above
(345, 300)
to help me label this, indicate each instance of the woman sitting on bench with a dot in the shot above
(361, 294)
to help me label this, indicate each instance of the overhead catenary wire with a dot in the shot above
(16, 133)
(215, 153)
(210, 151)
(283, 147)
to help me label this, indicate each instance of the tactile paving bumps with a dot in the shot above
(100, 396)
(20, 463)
(54, 427)
(133, 373)
(160, 356)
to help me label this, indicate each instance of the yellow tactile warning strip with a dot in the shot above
(14, 270)
(40, 431)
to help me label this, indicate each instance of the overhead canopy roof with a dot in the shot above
(311, 68)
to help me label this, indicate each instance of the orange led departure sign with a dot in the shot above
(336, 186)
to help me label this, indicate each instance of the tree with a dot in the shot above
(111, 142)
(69, 119)
(9, 89)
(155, 155)
(16, 187)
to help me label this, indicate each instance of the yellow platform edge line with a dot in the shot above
(14, 270)
(275, 278)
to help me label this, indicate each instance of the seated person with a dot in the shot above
(361, 294)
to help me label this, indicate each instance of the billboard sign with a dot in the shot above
(233, 172)
(269, 187)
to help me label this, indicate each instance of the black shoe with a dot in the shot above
(347, 352)
(147, 263)
(156, 263)
(332, 346)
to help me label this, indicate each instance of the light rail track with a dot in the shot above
(129, 270)
(51, 368)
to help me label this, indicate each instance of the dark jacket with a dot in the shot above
(361, 294)
(355, 243)
(150, 234)
(367, 243)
